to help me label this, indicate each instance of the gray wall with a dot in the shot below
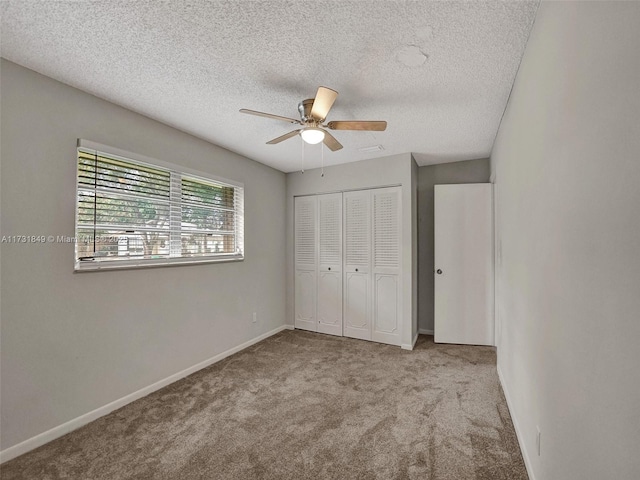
(567, 171)
(472, 171)
(74, 342)
(414, 248)
(378, 172)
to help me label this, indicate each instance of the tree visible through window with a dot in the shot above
(130, 212)
(206, 209)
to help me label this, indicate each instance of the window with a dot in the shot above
(135, 212)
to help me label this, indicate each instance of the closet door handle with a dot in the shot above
(329, 269)
(356, 269)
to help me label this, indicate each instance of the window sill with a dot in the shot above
(95, 266)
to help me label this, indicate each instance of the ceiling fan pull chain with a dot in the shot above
(302, 166)
(322, 156)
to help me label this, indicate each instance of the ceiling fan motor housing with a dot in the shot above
(304, 107)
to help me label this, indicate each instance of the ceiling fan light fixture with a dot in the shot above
(314, 111)
(312, 135)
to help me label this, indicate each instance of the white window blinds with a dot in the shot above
(134, 213)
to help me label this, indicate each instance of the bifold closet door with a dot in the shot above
(357, 264)
(329, 298)
(348, 263)
(386, 258)
(306, 267)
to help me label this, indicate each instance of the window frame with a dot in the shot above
(134, 263)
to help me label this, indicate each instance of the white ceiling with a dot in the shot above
(439, 73)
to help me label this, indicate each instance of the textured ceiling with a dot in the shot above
(439, 73)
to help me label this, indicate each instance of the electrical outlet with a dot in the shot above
(255, 317)
(538, 439)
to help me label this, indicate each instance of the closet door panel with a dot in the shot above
(305, 286)
(330, 263)
(357, 222)
(306, 267)
(387, 299)
(357, 264)
(330, 303)
(386, 242)
(357, 306)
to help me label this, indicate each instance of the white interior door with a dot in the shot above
(387, 304)
(463, 264)
(357, 264)
(330, 263)
(306, 267)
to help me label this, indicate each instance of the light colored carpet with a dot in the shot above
(304, 406)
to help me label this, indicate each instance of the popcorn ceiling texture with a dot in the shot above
(194, 64)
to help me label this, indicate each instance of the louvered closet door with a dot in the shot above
(330, 263)
(357, 264)
(387, 301)
(305, 227)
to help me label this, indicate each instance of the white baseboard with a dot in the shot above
(519, 436)
(424, 331)
(405, 346)
(45, 437)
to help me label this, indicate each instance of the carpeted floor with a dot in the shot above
(304, 406)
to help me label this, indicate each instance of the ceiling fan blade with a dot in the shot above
(323, 103)
(331, 142)
(283, 137)
(378, 126)
(269, 115)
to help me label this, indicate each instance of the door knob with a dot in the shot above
(439, 272)
(356, 269)
(329, 269)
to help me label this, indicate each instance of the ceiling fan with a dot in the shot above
(314, 111)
